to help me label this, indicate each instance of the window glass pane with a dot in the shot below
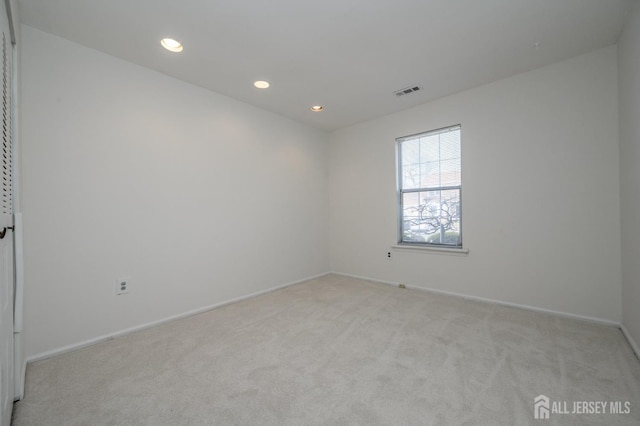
(431, 160)
(410, 152)
(450, 172)
(450, 145)
(431, 175)
(411, 176)
(429, 148)
(431, 217)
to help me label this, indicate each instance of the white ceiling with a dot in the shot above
(347, 55)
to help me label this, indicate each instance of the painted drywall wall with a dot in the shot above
(540, 192)
(196, 197)
(629, 96)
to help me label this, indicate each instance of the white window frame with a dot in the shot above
(401, 191)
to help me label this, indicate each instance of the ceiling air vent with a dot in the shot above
(406, 90)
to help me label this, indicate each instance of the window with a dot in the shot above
(430, 188)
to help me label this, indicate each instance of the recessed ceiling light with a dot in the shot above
(317, 108)
(171, 45)
(261, 84)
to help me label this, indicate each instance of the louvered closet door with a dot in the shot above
(6, 221)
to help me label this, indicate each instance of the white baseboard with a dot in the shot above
(492, 301)
(360, 277)
(109, 336)
(103, 338)
(631, 341)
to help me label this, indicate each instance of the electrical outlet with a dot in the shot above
(122, 285)
(388, 255)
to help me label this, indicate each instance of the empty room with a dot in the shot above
(409, 212)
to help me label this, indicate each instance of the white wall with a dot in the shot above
(540, 192)
(629, 95)
(202, 199)
(127, 172)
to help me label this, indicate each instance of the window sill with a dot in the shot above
(438, 250)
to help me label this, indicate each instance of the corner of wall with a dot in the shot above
(629, 135)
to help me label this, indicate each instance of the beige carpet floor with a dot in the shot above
(340, 351)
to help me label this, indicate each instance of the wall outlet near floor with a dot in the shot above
(122, 285)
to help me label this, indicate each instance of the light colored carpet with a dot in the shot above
(341, 351)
